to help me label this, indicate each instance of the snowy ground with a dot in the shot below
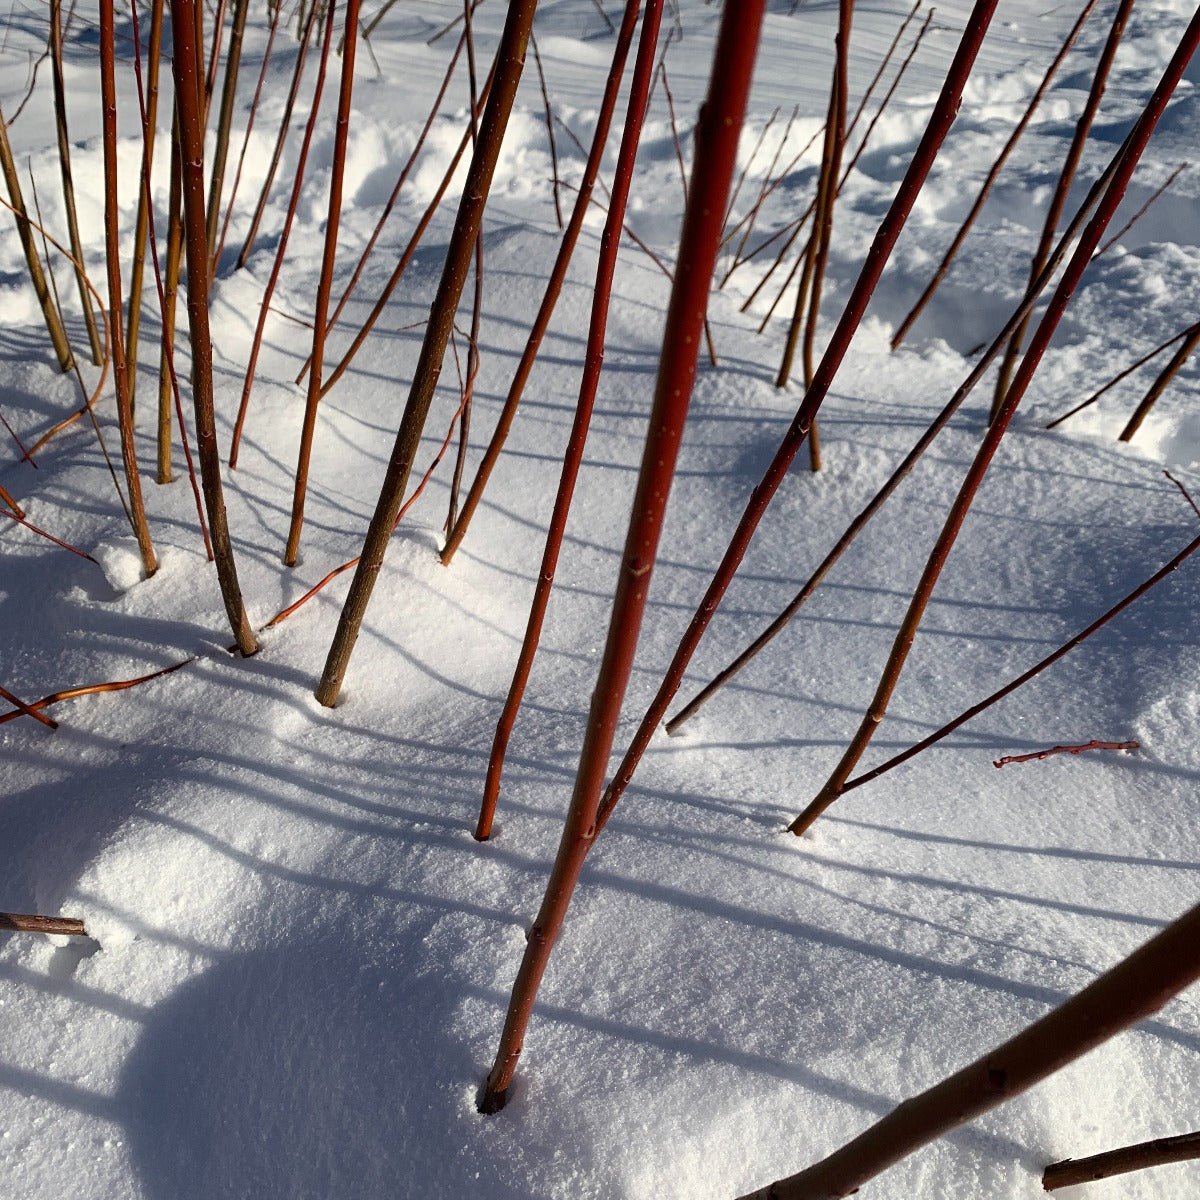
(304, 957)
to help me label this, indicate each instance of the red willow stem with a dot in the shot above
(1078, 748)
(1136, 988)
(877, 256)
(149, 105)
(537, 59)
(1141, 212)
(184, 65)
(1009, 146)
(95, 689)
(1157, 1153)
(133, 482)
(26, 709)
(401, 179)
(168, 347)
(1082, 636)
(467, 386)
(325, 283)
(237, 175)
(285, 234)
(910, 460)
(814, 257)
(1122, 375)
(717, 137)
(508, 66)
(1160, 384)
(34, 923)
(406, 255)
(68, 184)
(554, 283)
(233, 64)
(593, 364)
(285, 123)
(1129, 155)
(19, 516)
(7, 498)
(1065, 178)
(168, 304)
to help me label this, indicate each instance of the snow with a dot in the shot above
(300, 958)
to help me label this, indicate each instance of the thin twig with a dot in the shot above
(1081, 748)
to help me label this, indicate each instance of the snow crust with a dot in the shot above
(303, 957)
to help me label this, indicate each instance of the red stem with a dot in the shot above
(593, 364)
(281, 249)
(1136, 988)
(325, 283)
(717, 138)
(1129, 155)
(554, 283)
(877, 256)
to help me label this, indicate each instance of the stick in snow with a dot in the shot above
(1135, 988)
(1157, 1153)
(1081, 748)
(717, 139)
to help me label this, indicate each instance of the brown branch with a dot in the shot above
(20, 518)
(251, 117)
(1025, 676)
(1161, 384)
(1141, 212)
(96, 689)
(149, 113)
(1038, 755)
(1122, 375)
(537, 59)
(1157, 1153)
(333, 218)
(285, 123)
(169, 379)
(554, 282)
(285, 234)
(54, 327)
(133, 479)
(1134, 989)
(876, 259)
(593, 365)
(184, 65)
(1062, 188)
(26, 709)
(716, 154)
(1128, 157)
(29, 923)
(1186, 494)
(509, 64)
(68, 184)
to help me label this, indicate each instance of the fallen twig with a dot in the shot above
(1038, 755)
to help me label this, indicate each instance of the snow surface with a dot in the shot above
(301, 958)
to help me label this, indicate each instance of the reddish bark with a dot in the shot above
(716, 154)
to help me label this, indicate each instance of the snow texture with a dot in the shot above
(300, 958)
